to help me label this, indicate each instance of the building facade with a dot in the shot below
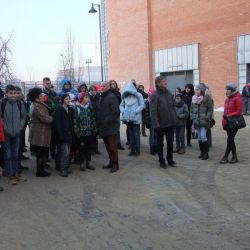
(187, 41)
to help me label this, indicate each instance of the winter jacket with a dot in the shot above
(117, 94)
(52, 99)
(201, 114)
(70, 90)
(84, 121)
(246, 91)
(232, 107)
(162, 109)
(108, 121)
(13, 120)
(40, 128)
(132, 105)
(63, 125)
(147, 115)
(182, 114)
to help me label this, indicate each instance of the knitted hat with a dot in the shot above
(82, 95)
(231, 86)
(180, 95)
(63, 97)
(202, 88)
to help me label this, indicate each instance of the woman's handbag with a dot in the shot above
(236, 122)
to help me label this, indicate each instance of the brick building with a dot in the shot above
(188, 41)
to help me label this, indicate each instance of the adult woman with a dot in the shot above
(40, 130)
(232, 107)
(200, 113)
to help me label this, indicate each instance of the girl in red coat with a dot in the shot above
(232, 107)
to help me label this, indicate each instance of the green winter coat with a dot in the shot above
(201, 114)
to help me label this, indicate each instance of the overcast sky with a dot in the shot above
(39, 28)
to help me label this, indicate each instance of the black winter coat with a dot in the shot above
(63, 125)
(108, 120)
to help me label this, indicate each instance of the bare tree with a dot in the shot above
(5, 59)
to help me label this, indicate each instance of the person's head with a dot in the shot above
(161, 82)
(189, 88)
(66, 84)
(10, 92)
(47, 83)
(105, 87)
(141, 88)
(82, 88)
(92, 90)
(84, 98)
(231, 88)
(113, 84)
(177, 90)
(200, 90)
(35, 94)
(178, 98)
(65, 99)
(19, 93)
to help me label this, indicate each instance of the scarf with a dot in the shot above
(197, 99)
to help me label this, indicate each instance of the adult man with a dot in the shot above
(108, 124)
(163, 118)
(50, 99)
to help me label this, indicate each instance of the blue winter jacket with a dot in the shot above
(132, 105)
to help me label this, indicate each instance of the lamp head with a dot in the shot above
(92, 10)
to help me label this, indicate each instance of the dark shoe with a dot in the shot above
(234, 159)
(107, 166)
(88, 166)
(201, 149)
(172, 163)
(24, 150)
(23, 157)
(224, 160)
(63, 173)
(144, 135)
(120, 147)
(137, 153)
(132, 153)
(163, 164)
(114, 169)
(152, 151)
(1, 189)
(205, 156)
(189, 145)
(43, 174)
(181, 151)
(46, 166)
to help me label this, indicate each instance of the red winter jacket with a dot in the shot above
(1, 131)
(232, 107)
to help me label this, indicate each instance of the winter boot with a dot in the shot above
(181, 151)
(234, 159)
(205, 151)
(63, 173)
(132, 152)
(201, 149)
(114, 169)
(224, 160)
(40, 168)
(88, 166)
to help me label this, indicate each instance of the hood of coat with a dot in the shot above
(130, 89)
(63, 83)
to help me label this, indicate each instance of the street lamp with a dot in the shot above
(88, 61)
(64, 68)
(93, 11)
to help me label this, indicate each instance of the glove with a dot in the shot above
(225, 117)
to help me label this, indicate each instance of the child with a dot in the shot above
(63, 124)
(85, 129)
(182, 115)
(14, 118)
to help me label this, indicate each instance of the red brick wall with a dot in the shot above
(137, 28)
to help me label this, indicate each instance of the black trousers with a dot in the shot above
(189, 124)
(230, 142)
(86, 147)
(169, 133)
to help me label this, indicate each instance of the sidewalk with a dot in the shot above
(198, 205)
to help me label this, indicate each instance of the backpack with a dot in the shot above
(4, 102)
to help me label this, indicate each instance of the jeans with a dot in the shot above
(10, 148)
(180, 137)
(63, 151)
(202, 134)
(169, 133)
(152, 137)
(134, 136)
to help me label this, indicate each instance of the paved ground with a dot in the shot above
(198, 205)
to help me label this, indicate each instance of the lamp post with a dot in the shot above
(88, 61)
(64, 69)
(93, 11)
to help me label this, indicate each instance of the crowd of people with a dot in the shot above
(65, 126)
